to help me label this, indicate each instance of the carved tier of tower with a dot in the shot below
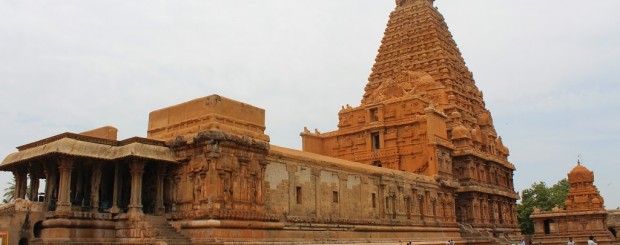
(422, 113)
(583, 194)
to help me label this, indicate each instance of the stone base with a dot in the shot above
(223, 231)
(75, 228)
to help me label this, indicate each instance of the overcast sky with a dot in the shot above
(549, 69)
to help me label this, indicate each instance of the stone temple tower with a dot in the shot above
(423, 113)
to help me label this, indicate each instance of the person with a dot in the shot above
(451, 241)
(448, 243)
(523, 241)
(570, 241)
(591, 240)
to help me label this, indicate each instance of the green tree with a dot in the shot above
(540, 196)
(9, 191)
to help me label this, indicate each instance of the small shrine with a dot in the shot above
(583, 216)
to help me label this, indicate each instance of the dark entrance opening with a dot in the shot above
(36, 231)
(548, 223)
(149, 188)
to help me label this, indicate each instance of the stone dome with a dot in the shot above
(580, 174)
(460, 132)
(484, 119)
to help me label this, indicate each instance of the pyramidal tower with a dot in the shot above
(422, 113)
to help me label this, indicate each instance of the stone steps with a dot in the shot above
(166, 233)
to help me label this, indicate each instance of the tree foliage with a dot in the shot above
(9, 191)
(540, 196)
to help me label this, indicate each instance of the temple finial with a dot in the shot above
(401, 3)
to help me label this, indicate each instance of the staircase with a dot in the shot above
(166, 233)
(470, 233)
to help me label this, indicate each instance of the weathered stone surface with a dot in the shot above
(208, 113)
(105, 132)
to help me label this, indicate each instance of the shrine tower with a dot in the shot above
(423, 113)
(583, 216)
(582, 194)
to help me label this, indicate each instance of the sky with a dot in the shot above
(549, 70)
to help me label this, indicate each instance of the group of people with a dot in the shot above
(449, 242)
(591, 241)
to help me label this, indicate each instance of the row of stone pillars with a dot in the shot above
(65, 169)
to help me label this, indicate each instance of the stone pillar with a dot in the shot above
(515, 219)
(21, 182)
(196, 184)
(441, 207)
(117, 185)
(316, 175)
(203, 187)
(453, 206)
(381, 199)
(136, 168)
(399, 205)
(159, 198)
(342, 183)
(65, 166)
(291, 169)
(261, 183)
(95, 182)
(415, 212)
(176, 180)
(51, 185)
(79, 184)
(34, 187)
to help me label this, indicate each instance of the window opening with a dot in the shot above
(376, 141)
(298, 194)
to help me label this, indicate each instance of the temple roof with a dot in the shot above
(319, 160)
(71, 144)
(580, 174)
(583, 194)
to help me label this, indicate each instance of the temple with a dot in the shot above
(583, 216)
(422, 113)
(418, 160)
